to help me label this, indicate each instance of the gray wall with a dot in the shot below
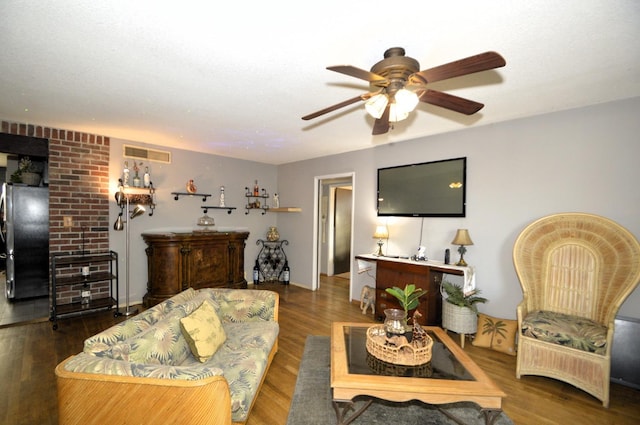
(209, 173)
(578, 160)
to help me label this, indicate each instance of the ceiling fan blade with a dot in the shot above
(337, 106)
(470, 65)
(352, 71)
(448, 101)
(381, 126)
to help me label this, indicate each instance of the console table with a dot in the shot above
(198, 259)
(399, 272)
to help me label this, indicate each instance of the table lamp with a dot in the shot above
(462, 238)
(380, 234)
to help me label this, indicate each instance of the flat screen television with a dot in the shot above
(427, 189)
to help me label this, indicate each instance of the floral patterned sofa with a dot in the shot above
(143, 370)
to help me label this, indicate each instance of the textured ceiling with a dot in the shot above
(234, 79)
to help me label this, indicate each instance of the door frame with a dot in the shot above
(317, 202)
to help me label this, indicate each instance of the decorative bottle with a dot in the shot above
(286, 273)
(125, 174)
(256, 274)
(146, 179)
(256, 189)
(222, 196)
(136, 177)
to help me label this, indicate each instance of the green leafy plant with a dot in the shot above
(409, 297)
(456, 296)
(24, 166)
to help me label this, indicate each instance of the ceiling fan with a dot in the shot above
(397, 85)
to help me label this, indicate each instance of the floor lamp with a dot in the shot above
(123, 201)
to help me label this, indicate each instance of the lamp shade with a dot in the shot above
(138, 210)
(381, 232)
(462, 238)
(406, 100)
(118, 225)
(376, 104)
(396, 114)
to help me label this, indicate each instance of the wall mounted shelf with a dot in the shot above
(285, 209)
(256, 202)
(177, 195)
(229, 209)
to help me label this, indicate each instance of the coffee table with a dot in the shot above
(450, 377)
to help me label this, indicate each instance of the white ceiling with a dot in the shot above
(235, 78)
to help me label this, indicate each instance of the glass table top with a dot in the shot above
(443, 364)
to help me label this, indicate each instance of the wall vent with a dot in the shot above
(148, 154)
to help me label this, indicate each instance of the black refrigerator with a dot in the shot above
(25, 234)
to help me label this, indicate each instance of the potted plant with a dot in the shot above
(409, 299)
(27, 173)
(460, 310)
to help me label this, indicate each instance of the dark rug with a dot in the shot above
(311, 402)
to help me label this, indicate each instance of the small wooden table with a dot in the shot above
(450, 377)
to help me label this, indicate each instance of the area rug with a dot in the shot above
(311, 401)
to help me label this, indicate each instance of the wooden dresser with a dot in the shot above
(177, 261)
(400, 272)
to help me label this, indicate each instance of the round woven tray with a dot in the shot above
(406, 354)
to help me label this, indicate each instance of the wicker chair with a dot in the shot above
(577, 266)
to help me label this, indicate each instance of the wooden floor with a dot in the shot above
(29, 354)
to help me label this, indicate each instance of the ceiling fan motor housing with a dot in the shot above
(396, 68)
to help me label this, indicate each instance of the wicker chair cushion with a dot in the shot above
(563, 329)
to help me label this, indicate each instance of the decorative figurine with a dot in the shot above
(272, 234)
(367, 299)
(276, 201)
(191, 187)
(222, 196)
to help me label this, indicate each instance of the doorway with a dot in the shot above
(21, 266)
(333, 224)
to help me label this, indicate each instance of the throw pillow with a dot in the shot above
(203, 331)
(497, 334)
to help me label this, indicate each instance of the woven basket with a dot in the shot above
(404, 354)
(458, 319)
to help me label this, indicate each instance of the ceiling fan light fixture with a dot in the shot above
(396, 113)
(406, 100)
(376, 105)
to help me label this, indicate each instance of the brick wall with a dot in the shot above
(78, 186)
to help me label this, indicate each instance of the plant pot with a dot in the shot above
(458, 319)
(32, 179)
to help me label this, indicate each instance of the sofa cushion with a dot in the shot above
(203, 331)
(101, 343)
(162, 344)
(88, 363)
(244, 358)
(564, 329)
(234, 305)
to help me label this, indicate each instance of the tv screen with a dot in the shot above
(428, 189)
